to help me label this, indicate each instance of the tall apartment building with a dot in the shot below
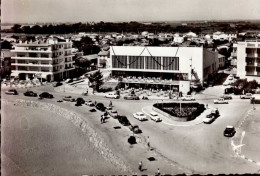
(50, 59)
(248, 60)
(159, 67)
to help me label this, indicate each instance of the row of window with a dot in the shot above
(145, 62)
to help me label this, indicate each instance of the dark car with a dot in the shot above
(229, 131)
(57, 84)
(123, 120)
(11, 92)
(79, 101)
(215, 112)
(93, 110)
(46, 95)
(101, 107)
(135, 129)
(30, 94)
(131, 97)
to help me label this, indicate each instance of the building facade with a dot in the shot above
(50, 59)
(248, 60)
(176, 68)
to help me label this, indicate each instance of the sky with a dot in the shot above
(32, 11)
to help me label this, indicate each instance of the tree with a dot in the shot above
(16, 28)
(96, 79)
(6, 45)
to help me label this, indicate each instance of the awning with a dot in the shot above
(14, 74)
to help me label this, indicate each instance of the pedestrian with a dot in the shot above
(110, 104)
(207, 106)
(101, 119)
(104, 118)
(148, 143)
(140, 166)
(158, 172)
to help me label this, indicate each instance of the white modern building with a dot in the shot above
(176, 68)
(248, 60)
(50, 59)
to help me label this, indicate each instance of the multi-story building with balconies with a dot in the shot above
(50, 59)
(248, 60)
(172, 68)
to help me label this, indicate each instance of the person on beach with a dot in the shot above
(140, 166)
(158, 172)
(148, 143)
(101, 120)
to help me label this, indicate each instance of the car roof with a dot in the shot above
(139, 113)
(229, 126)
(153, 113)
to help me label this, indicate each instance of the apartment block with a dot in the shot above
(49, 59)
(248, 60)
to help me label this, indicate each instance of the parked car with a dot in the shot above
(30, 94)
(220, 101)
(209, 118)
(188, 98)
(131, 97)
(100, 106)
(11, 92)
(226, 97)
(69, 98)
(140, 116)
(135, 129)
(112, 95)
(79, 101)
(215, 112)
(93, 110)
(229, 131)
(46, 95)
(89, 103)
(154, 116)
(246, 96)
(123, 120)
(58, 84)
(59, 101)
(113, 113)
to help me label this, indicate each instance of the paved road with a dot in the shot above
(199, 148)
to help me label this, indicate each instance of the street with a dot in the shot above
(195, 148)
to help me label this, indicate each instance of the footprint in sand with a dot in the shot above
(24, 124)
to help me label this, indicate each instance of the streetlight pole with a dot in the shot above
(190, 72)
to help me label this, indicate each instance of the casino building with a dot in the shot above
(174, 68)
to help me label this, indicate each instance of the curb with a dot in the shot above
(172, 124)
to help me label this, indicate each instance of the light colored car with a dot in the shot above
(188, 98)
(140, 116)
(89, 103)
(226, 97)
(112, 95)
(246, 96)
(69, 98)
(113, 113)
(220, 101)
(154, 116)
(209, 118)
(11, 92)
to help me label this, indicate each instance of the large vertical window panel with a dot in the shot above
(153, 63)
(136, 62)
(170, 63)
(119, 61)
